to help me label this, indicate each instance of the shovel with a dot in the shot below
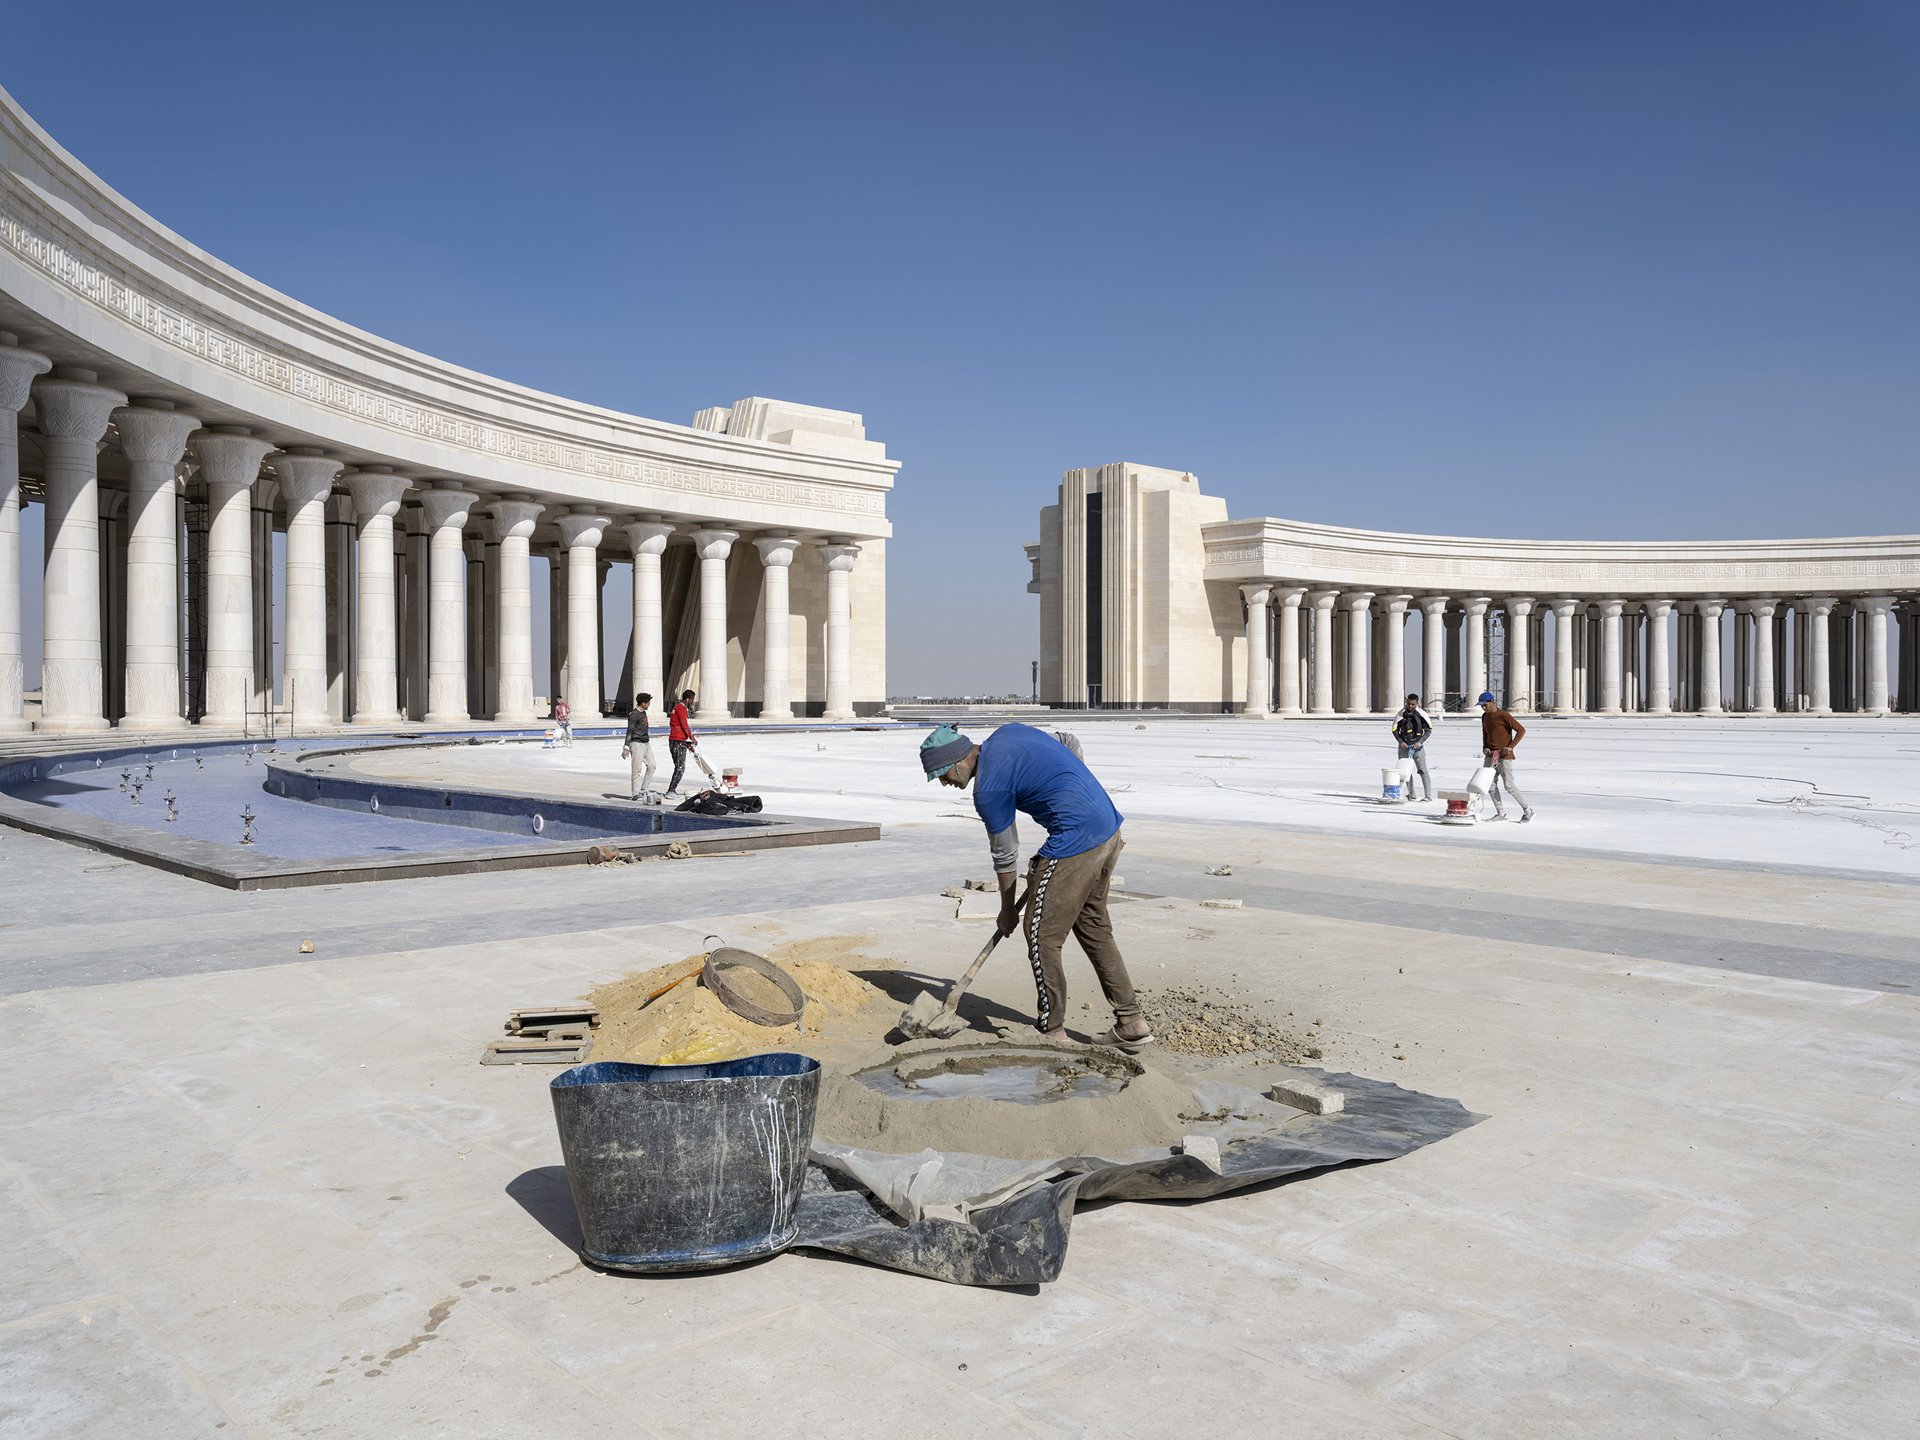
(930, 1019)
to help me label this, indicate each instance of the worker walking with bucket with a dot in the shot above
(1412, 727)
(1021, 769)
(638, 751)
(1499, 734)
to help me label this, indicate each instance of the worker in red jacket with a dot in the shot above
(680, 741)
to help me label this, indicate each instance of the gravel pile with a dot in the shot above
(1199, 1020)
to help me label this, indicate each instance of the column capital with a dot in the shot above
(1563, 606)
(582, 527)
(648, 537)
(713, 544)
(1433, 606)
(1396, 604)
(1763, 606)
(1873, 604)
(229, 457)
(447, 509)
(1710, 606)
(1476, 605)
(515, 518)
(375, 492)
(1289, 596)
(776, 551)
(1611, 607)
(152, 432)
(1323, 599)
(17, 370)
(1260, 594)
(304, 475)
(1356, 599)
(1658, 607)
(1520, 605)
(839, 555)
(1820, 604)
(72, 407)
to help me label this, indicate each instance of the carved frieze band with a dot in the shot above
(1852, 572)
(174, 323)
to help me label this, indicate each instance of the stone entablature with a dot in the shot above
(1267, 548)
(75, 254)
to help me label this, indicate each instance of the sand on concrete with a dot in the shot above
(844, 1018)
(1153, 1110)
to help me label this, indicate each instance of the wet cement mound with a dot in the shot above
(1025, 1101)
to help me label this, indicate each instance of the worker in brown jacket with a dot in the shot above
(1499, 734)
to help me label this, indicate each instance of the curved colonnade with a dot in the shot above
(173, 414)
(1150, 596)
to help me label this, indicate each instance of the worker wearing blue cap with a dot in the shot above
(1027, 771)
(1499, 734)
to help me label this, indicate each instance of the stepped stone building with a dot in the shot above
(1151, 597)
(173, 415)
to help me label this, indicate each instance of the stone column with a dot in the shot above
(556, 624)
(154, 436)
(17, 371)
(1659, 658)
(580, 533)
(1433, 651)
(1873, 616)
(839, 558)
(1476, 676)
(713, 547)
(1764, 702)
(1563, 610)
(649, 541)
(776, 681)
(1519, 665)
(1259, 674)
(230, 462)
(1322, 677)
(73, 412)
(1710, 611)
(376, 683)
(1395, 681)
(445, 513)
(513, 522)
(1287, 643)
(1356, 603)
(306, 480)
(1610, 655)
(1631, 691)
(1819, 658)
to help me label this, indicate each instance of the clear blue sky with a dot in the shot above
(1608, 270)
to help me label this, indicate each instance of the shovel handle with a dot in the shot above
(973, 970)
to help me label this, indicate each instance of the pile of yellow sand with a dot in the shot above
(845, 1016)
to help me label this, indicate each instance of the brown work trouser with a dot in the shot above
(1070, 895)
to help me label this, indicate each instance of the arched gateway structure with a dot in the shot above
(1150, 596)
(171, 413)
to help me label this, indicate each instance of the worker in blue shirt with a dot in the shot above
(1027, 771)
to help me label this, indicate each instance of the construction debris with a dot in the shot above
(1198, 1020)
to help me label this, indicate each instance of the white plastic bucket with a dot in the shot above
(1481, 781)
(1407, 768)
(1393, 785)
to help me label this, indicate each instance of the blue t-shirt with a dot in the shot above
(1025, 769)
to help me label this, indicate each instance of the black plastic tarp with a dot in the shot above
(1023, 1240)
